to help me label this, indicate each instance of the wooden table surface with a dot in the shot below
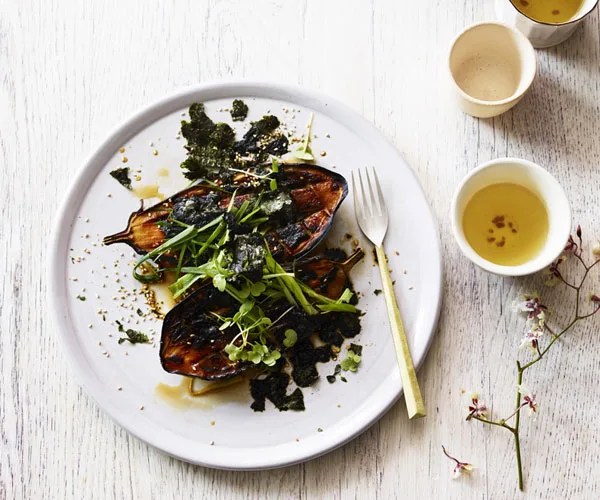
(71, 70)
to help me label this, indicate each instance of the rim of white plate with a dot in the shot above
(171, 443)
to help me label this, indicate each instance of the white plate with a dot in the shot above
(222, 431)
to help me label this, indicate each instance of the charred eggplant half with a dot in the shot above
(193, 339)
(297, 215)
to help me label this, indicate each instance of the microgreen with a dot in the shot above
(304, 152)
(351, 362)
(291, 337)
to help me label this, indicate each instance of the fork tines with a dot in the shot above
(370, 205)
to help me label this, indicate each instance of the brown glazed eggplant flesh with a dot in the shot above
(191, 342)
(316, 194)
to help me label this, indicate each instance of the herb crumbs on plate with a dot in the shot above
(121, 175)
(239, 110)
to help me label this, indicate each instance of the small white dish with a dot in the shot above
(536, 179)
(542, 35)
(492, 67)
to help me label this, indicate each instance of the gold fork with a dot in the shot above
(372, 217)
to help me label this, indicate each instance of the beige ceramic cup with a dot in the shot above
(542, 35)
(492, 66)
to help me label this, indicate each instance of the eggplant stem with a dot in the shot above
(351, 261)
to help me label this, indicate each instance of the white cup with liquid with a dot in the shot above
(492, 66)
(541, 34)
(537, 180)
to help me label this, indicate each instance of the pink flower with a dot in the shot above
(475, 408)
(531, 340)
(535, 310)
(528, 399)
(460, 467)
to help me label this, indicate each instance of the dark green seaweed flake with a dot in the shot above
(122, 176)
(133, 336)
(239, 110)
(274, 389)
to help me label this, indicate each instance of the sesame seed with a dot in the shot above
(141, 407)
(119, 388)
(124, 159)
(109, 195)
(212, 443)
(212, 422)
(155, 152)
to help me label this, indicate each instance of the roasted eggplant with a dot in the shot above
(300, 211)
(191, 342)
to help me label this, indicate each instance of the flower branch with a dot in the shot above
(535, 312)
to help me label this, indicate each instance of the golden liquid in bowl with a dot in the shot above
(549, 11)
(506, 224)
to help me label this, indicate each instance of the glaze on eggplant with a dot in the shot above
(314, 194)
(191, 342)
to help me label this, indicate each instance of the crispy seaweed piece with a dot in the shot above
(274, 388)
(121, 175)
(239, 110)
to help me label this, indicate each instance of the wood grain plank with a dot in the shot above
(69, 71)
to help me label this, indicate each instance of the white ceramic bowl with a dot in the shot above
(492, 66)
(536, 179)
(542, 35)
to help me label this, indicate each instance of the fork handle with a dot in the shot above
(410, 384)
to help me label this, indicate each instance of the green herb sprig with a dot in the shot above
(304, 152)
